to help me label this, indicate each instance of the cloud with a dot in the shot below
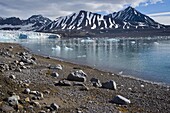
(55, 8)
(162, 19)
(159, 14)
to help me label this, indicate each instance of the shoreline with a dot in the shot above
(144, 96)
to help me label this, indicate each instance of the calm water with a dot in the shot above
(144, 58)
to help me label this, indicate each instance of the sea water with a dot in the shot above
(144, 57)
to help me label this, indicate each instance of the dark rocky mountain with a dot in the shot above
(33, 23)
(128, 18)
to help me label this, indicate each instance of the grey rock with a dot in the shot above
(63, 83)
(12, 77)
(36, 104)
(27, 91)
(42, 111)
(118, 99)
(96, 82)
(13, 100)
(79, 76)
(58, 66)
(54, 74)
(7, 109)
(110, 85)
(21, 63)
(54, 106)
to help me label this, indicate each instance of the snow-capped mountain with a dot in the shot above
(33, 23)
(125, 19)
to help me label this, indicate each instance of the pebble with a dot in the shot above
(96, 82)
(142, 86)
(12, 77)
(27, 91)
(54, 106)
(63, 83)
(54, 74)
(118, 99)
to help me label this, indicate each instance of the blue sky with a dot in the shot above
(159, 10)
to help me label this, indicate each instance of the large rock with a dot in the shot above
(110, 85)
(13, 100)
(79, 76)
(118, 99)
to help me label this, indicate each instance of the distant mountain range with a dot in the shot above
(128, 18)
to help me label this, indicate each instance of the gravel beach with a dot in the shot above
(31, 83)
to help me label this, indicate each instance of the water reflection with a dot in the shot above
(146, 58)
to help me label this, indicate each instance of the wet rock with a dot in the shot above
(96, 82)
(79, 76)
(118, 99)
(54, 74)
(27, 91)
(54, 106)
(110, 85)
(13, 100)
(12, 77)
(63, 83)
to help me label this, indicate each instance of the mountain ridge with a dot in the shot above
(128, 18)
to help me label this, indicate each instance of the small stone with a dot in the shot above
(12, 76)
(21, 63)
(118, 99)
(63, 83)
(142, 86)
(27, 91)
(36, 104)
(42, 111)
(54, 106)
(54, 74)
(11, 47)
(110, 85)
(84, 88)
(19, 106)
(59, 67)
(27, 99)
(96, 82)
(34, 92)
(46, 92)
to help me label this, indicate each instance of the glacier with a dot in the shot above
(30, 35)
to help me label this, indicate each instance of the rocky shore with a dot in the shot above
(35, 84)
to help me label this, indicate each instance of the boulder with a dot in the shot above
(118, 99)
(79, 76)
(13, 100)
(110, 85)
